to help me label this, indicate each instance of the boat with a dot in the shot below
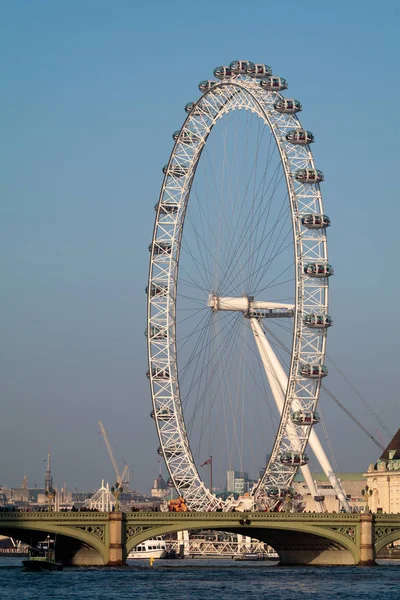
(42, 557)
(152, 548)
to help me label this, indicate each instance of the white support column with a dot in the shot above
(280, 378)
(271, 364)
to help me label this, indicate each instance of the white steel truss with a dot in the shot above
(301, 392)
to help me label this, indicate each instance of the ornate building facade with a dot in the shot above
(382, 492)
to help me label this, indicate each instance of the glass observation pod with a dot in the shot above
(158, 374)
(169, 451)
(157, 290)
(182, 483)
(158, 333)
(223, 72)
(207, 85)
(161, 247)
(167, 208)
(313, 371)
(318, 270)
(294, 458)
(315, 321)
(300, 137)
(258, 70)
(309, 176)
(163, 415)
(305, 417)
(239, 67)
(275, 492)
(175, 170)
(185, 136)
(315, 221)
(288, 106)
(274, 83)
(200, 109)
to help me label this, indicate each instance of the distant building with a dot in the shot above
(160, 488)
(352, 483)
(383, 480)
(237, 482)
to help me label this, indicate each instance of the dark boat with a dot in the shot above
(43, 557)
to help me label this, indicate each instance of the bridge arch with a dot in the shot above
(259, 530)
(22, 530)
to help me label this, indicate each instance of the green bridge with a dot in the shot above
(93, 538)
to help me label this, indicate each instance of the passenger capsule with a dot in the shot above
(199, 109)
(305, 417)
(182, 484)
(206, 86)
(309, 176)
(315, 221)
(170, 483)
(239, 67)
(258, 70)
(175, 170)
(157, 333)
(167, 208)
(297, 459)
(287, 106)
(152, 414)
(185, 136)
(157, 290)
(164, 414)
(277, 493)
(301, 137)
(158, 373)
(277, 84)
(313, 371)
(316, 321)
(170, 451)
(318, 270)
(161, 247)
(223, 72)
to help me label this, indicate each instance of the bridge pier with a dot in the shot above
(116, 555)
(367, 545)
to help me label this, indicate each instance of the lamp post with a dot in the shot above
(367, 493)
(50, 495)
(116, 490)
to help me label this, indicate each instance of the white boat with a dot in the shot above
(152, 548)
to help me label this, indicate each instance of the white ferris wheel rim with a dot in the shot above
(240, 92)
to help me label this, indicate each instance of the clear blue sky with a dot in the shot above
(91, 93)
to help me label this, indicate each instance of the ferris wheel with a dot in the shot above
(238, 289)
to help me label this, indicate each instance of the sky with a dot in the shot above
(91, 93)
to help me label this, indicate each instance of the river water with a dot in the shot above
(202, 580)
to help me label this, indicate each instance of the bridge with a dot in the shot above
(95, 538)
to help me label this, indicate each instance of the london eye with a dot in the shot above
(238, 291)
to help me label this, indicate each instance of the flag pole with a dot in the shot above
(211, 474)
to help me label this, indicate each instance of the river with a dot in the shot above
(202, 580)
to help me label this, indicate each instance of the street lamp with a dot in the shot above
(116, 490)
(367, 493)
(50, 495)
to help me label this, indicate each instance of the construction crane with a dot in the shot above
(122, 480)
